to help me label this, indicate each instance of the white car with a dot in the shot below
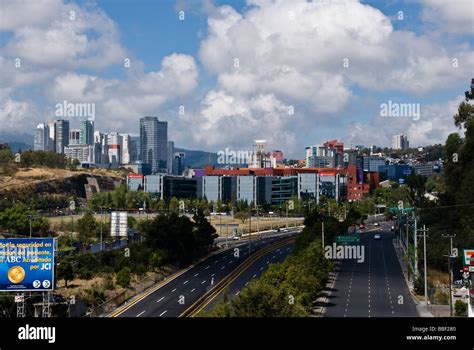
(376, 224)
(235, 238)
(377, 236)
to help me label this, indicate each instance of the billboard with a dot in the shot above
(26, 264)
(468, 257)
(119, 224)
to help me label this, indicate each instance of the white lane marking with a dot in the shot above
(141, 313)
(246, 284)
(223, 267)
(160, 299)
(164, 312)
(207, 267)
(192, 290)
(185, 282)
(261, 269)
(196, 274)
(237, 293)
(213, 275)
(203, 282)
(174, 290)
(254, 276)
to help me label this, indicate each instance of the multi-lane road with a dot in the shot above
(375, 287)
(174, 296)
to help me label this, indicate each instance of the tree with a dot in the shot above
(158, 258)
(66, 271)
(17, 219)
(87, 227)
(124, 277)
(460, 308)
(204, 232)
(242, 215)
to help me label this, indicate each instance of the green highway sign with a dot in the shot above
(347, 239)
(396, 209)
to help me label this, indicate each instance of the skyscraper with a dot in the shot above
(52, 135)
(400, 141)
(154, 143)
(87, 132)
(170, 157)
(114, 141)
(41, 141)
(126, 146)
(61, 134)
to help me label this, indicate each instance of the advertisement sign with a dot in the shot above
(468, 257)
(26, 264)
(119, 224)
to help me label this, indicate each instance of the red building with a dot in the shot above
(338, 146)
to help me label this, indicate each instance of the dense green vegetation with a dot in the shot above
(168, 238)
(16, 219)
(290, 288)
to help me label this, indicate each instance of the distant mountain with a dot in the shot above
(198, 159)
(17, 141)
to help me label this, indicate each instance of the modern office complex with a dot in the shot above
(61, 135)
(154, 143)
(87, 132)
(400, 141)
(41, 141)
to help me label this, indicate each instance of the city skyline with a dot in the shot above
(214, 96)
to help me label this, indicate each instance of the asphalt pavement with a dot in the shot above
(375, 287)
(180, 292)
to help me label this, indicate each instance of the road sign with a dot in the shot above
(468, 256)
(347, 239)
(27, 264)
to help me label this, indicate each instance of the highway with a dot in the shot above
(375, 287)
(180, 291)
(274, 256)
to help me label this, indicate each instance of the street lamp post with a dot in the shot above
(425, 230)
(30, 217)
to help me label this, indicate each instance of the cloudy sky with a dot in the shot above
(223, 73)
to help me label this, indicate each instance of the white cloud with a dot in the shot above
(433, 126)
(294, 51)
(119, 103)
(456, 16)
(51, 33)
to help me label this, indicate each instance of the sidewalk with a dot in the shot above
(421, 307)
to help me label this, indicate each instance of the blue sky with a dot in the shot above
(290, 57)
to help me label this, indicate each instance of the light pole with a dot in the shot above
(30, 217)
(101, 216)
(450, 272)
(425, 230)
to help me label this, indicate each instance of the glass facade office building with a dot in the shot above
(154, 143)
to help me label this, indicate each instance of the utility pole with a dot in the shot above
(322, 233)
(450, 272)
(30, 217)
(101, 219)
(425, 230)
